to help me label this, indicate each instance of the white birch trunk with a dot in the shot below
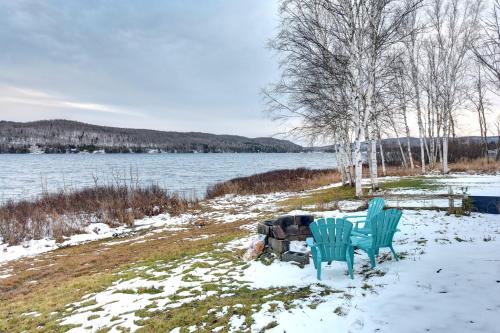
(408, 140)
(358, 166)
(382, 158)
(421, 130)
(445, 155)
(373, 162)
(340, 164)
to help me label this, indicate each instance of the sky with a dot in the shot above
(179, 65)
(182, 65)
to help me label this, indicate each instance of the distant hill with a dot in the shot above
(60, 136)
(414, 142)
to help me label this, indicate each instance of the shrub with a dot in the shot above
(275, 181)
(63, 214)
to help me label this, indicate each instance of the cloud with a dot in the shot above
(10, 95)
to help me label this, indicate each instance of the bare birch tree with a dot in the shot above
(454, 26)
(487, 49)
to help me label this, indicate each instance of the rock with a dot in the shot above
(285, 221)
(258, 247)
(301, 258)
(278, 232)
(264, 228)
(249, 255)
(279, 246)
(304, 220)
(292, 230)
(305, 230)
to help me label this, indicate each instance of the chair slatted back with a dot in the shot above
(375, 206)
(384, 225)
(333, 236)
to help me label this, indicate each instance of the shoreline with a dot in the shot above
(293, 201)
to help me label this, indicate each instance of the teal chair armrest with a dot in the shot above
(310, 242)
(355, 222)
(354, 216)
(357, 241)
(361, 232)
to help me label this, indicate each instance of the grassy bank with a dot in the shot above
(63, 214)
(275, 181)
(297, 180)
(482, 165)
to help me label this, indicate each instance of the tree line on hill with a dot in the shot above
(61, 136)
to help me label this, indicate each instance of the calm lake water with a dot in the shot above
(25, 176)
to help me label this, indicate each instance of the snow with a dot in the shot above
(452, 286)
(94, 231)
(480, 185)
(487, 185)
(448, 278)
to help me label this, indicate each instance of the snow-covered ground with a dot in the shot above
(228, 208)
(488, 185)
(92, 232)
(448, 280)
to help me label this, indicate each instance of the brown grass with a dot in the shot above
(63, 214)
(275, 181)
(481, 165)
(65, 275)
(291, 180)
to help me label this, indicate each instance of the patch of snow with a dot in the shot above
(94, 231)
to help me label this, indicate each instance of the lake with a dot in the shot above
(26, 176)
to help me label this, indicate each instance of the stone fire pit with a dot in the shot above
(281, 231)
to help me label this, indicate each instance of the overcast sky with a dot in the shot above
(181, 65)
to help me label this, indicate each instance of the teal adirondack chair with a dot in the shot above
(331, 242)
(383, 225)
(375, 206)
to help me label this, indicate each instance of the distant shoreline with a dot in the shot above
(161, 152)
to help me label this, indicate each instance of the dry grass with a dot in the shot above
(275, 181)
(63, 214)
(481, 165)
(65, 275)
(294, 180)
(399, 171)
(297, 180)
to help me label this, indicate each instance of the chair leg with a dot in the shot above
(373, 263)
(318, 270)
(349, 265)
(351, 259)
(313, 253)
(394, 253)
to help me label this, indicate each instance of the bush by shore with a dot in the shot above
(62, 214)
(275, 181)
